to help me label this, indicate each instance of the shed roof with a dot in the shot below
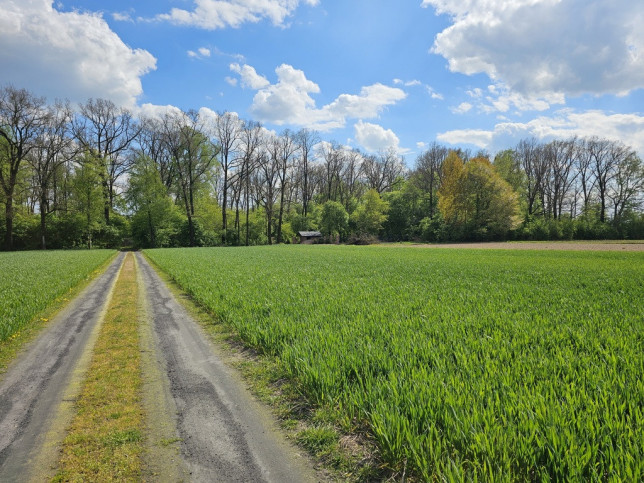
(309, 233)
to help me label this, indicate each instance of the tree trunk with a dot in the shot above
(43, 223)
(8, 213)
(151, 228)
(224, 219)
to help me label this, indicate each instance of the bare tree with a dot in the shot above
(333, 159)
(584, 167)
(22, 117)
(152, 144)
(250, 146)
(193, 155)
(228, 132)
(351, 175)
(429, 172)
(605, 156)
(530, 153)
(54, 148)
(306, 140)
(627, 185)
(106, 131)
(560, 157)
(286, 147)
(266, 183)
(383, 171)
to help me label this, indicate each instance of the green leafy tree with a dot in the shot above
(474, 198)
(407, 207)
(334, 219)
(370, 214)
(88, 195)
(156, 218)
(21, 122)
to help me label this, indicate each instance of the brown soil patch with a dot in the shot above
(634, 246)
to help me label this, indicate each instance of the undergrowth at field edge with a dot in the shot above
(31, 281)
(502, 365)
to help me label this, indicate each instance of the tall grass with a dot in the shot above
(31, 281)
(512, 365)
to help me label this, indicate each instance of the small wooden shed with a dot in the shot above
(308, 237)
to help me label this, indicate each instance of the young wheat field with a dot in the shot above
(32, 281)
(492, 364)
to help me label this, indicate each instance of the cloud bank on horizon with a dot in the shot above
(476, 73)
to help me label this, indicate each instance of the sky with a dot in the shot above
(368, 74)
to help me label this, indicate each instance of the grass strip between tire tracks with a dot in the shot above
(105, 439)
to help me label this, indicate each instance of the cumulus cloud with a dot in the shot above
(462, 108)
(374, 137)
(290, 101)
(217, 14)
(155, 111)
(628, 128)
(68, 54)
(540, 47)
(249, 76)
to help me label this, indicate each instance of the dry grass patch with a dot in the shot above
(105, 440)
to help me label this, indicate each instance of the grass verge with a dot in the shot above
(105, 439)
(10, 348)
(341, 452)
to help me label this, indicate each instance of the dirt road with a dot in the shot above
(35, 393)
(203, 424)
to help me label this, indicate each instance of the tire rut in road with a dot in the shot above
(33, 392)
(225, 435)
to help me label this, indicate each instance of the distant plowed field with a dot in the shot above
(494, 364)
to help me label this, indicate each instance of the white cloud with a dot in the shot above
(539, 47)
(68, 54)
(290, 101)
(231, 80)
(216, 14)
(433, 94)
(202, 52)
(628, 128)
(368, 103)
(249, 76)
(154, 111)
(374, 137)
(498, 98)
(462, 108)
(410, 83)
(122, 17)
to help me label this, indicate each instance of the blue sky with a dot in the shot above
(370, 74)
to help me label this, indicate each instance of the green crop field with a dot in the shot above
(31, 281)
(486, 364)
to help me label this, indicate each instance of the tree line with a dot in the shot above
(95, 175)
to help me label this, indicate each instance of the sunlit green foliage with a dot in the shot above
(490, 364)
(31, 281)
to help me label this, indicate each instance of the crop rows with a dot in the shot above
(494, 365)
(31, 281)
